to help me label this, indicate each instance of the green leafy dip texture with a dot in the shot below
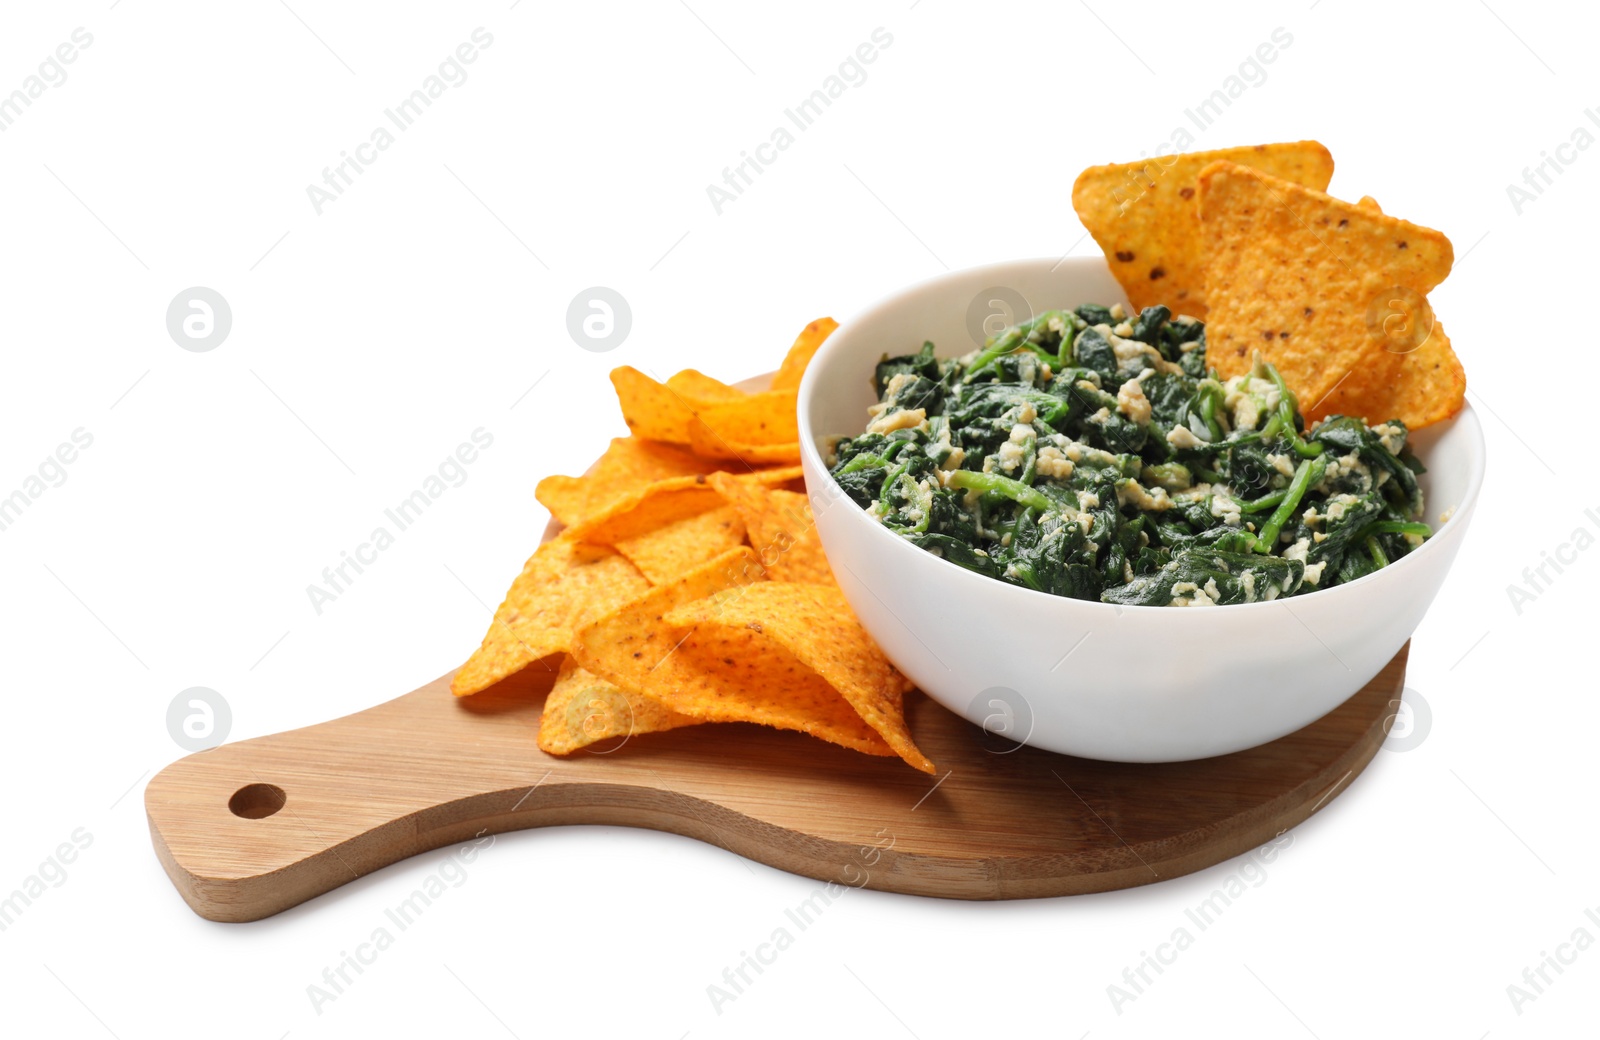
(1089, 454)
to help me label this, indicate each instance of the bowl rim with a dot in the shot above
(828, 353)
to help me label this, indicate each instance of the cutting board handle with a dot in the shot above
(250, 828)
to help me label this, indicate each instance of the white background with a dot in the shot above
(369, 340)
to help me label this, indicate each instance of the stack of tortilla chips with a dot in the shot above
(689, 585)
(1333, 293)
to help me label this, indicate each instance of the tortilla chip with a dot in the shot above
(677, 547)
(766, 418)
(1420, 387)
(716, 673)
(805, 345)
(733, 675)
(646, 509)
(652, 409)
(775, 476)
(629, 464)
(666, 501)
(813, 624)
(1143, 216)
(583, 709)
(699, 388)
(564, 584)
(628, 646)
(662, 411)
(1300, 276)
(705, 441)
(780, 527)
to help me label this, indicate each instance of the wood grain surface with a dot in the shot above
(999, 821)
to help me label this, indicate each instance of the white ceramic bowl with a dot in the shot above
(1126, 684)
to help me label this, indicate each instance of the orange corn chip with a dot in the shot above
(765, 418)
(667, 501)
(652, 409)
(805, 345)
(1387, 387)
(629, 464)
(776, 476)
(733, 675)
(627, 646)
(646, 509)
(717, 674)
(699, 388)
(662, 411)
(1323, 288)
(814, 625)
(679, 546)
(705, 441)
(1144, 218)
(1419, 387)
(583, 709)
(780, 527)
(563, 585)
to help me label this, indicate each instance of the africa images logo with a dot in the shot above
(451, 72)
(850, 73)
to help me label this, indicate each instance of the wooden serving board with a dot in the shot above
(252, 828)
